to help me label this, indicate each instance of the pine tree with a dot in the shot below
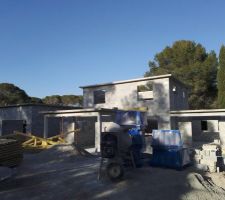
(221, 78)
(191, 64)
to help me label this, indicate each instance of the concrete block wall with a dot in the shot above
(34, 119)
(125, 96)
(222, 132)
(178, 96)
(191, 129)
(16, 113)
(38, 121)
(86, 136)
(205, 135)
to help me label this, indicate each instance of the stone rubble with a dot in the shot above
(210, 157)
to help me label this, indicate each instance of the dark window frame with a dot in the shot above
(99, 96)
(204, 125)
(151, 125)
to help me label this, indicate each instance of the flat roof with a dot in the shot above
(86, 110)
(196, 113)
(43, 105)
(129, 81)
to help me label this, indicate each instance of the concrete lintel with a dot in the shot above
(198, 114)
(90, 114)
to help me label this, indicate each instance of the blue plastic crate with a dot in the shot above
(171, 158)
(166, 139)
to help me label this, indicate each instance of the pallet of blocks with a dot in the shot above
(209, 158)
(11, 153)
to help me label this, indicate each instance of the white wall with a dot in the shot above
(186, 132)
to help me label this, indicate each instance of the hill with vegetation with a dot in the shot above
(10, 94)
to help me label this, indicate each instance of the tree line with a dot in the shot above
(203, 72)
(11, 95)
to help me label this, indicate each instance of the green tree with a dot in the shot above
(191, 64)
(221, 78)
(36, 100)
(11, 94)
(71, 100)
(54, 100)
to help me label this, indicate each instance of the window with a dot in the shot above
(145, 92)
(152, 124)
(204, 125)
(145, 88)
(99, 96)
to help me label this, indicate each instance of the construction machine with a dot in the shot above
(121, 144)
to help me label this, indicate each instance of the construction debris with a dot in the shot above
(210, 157)
(11, 153)
(41, 143)
(30, 141)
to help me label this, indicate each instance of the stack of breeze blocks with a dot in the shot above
(209, 158)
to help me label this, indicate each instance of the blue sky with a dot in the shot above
(54, 46)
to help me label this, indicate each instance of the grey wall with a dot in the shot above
(125, 96)
(86, 136)
(178, 96)
(191, 128)
(38, 121)
(16, 113)
(9, 126)
(34, 119)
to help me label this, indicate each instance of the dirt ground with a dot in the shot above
(63, 173)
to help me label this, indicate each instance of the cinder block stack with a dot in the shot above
(210, 157)
(11, 153)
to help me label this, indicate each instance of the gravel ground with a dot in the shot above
(65, 173)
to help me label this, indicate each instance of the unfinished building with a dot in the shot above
(156, 96)
(27, 118)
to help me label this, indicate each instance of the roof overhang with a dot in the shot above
(87, 110)
(129, 81)
(198, 113)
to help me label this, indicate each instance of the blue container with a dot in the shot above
(171, 158)
(166, 139)
(167, 158)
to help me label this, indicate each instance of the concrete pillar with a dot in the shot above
(197, 130)
(222, 132)
(186, 132)
(212, 125)
(98, 130)
(70, 134)
(0, 127)
(45, 126)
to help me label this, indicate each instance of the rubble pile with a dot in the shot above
(210, 157)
